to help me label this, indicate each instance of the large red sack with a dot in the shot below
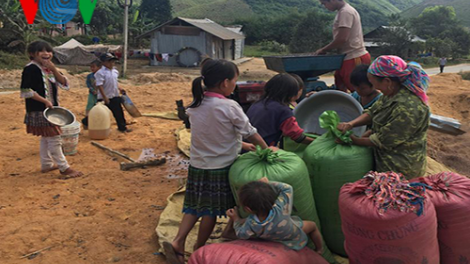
(254, 252)
(377, 236)
(451, 197)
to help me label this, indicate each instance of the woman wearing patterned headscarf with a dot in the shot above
(399, 119)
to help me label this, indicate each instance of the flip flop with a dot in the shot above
(171, 254)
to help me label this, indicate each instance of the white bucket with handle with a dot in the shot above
(70, 135)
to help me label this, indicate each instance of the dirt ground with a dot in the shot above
(450, 96)
(109, 216)
(105, 216)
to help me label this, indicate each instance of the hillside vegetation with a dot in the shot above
(217, 10)
(462, 9)
(373, 12)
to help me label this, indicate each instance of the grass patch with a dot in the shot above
(258, 51)
(10, 61)
(465, 75)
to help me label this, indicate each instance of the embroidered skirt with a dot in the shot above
(37, 125)
(208, 192)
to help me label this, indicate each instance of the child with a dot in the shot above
(39, 83)
(272, 115)
(270, 208)
(293, 103)
(107, 83)
(92, 90)
(365, 93)
(217, 127)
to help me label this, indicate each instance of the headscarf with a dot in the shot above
(411, 75)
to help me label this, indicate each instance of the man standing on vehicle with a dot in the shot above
(347, 39)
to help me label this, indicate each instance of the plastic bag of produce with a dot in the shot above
(280, 166)
(451, 197)
(254, 252)
(386, 220)
(330, 166)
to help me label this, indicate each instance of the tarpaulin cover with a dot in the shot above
(74, 56)
(171, 115)
(183, 140)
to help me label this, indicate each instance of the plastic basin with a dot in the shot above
(309, 110)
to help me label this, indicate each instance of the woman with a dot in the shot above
(399, 119)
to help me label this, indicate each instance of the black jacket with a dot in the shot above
(32, 78)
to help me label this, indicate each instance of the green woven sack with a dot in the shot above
(330, 166)
(294, 147)
(280, 166)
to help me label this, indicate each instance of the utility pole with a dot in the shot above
(126, 5)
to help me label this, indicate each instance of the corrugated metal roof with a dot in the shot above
(236, 29)
(213, 28)
(204, 24)
(376, 31)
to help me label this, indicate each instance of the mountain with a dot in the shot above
(462, 8)
(217, 10)
(374, 12)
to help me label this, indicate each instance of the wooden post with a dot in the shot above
(128, 166)
(96, 144)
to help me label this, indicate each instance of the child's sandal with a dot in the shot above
(172, 256)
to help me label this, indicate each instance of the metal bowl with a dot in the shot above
(309, 110)
(59, 116)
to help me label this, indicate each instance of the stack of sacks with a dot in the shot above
(279, 166)
(451, 197)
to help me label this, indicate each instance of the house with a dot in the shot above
(375, 43)
(68, 29)
(184, 42)
(239, 43)
(73, 29)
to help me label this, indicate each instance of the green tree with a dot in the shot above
(396, 38)
(312, 33)
(16, 34)
(441, 47)
(267, 28)
(156, 11)
(107, 18)
(441, 23)
(459, 38)
(433, 21)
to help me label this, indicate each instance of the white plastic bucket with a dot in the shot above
(70, 135)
